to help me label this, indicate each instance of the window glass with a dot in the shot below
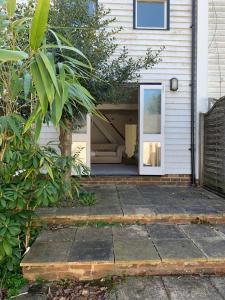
(150, 14)
(152, 154)
(152, 111)
(91, 7)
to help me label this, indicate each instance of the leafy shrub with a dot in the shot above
(86, 199)
(12, 282)
(30, 176)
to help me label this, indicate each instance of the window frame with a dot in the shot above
(166, 16)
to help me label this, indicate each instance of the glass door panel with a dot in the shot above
(151, 130)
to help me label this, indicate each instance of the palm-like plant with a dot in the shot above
(31, 73)
(40, 81)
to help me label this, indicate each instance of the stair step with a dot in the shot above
(87, 253)
(172, 180)
(144, 204)
(51, 217)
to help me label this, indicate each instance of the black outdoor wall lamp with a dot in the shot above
(174, 85)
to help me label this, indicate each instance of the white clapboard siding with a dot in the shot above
(49, 136)
(176, 62)
(216, 48)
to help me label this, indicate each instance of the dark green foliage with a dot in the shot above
(86, 199)
(11, 282)
(30, 176)
(95, 36)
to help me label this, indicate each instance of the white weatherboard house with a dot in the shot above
(158, 132)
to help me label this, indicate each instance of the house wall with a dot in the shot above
(216, 87)
(49, 135)
(176, 62)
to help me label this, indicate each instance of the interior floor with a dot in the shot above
(113, 170)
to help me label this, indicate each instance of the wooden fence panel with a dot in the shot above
(213, 162)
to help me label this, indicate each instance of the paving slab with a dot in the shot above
(91, 251)
(199, 231)
(154, 199)
(220, 228)
(141, 288)
(133, 232)
(138, 209)
(42, 252)
(59, 235)
(92, 233)
(190, 288)
(197, 210)
(135, 250)
(168, 209)
(212, 247)
(165, 232)
(106, 210)
(46, 211)
(101, 188)
(133, 244)
(106, 199)
(178, 249)
(132, 200)
(72, 211)
(219, 284)
(131, 196)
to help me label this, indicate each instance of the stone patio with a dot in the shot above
(147, 204)
(171, 288)
(87, 253)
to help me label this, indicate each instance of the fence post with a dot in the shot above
(201, 148)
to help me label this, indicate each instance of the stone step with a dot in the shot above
(141, 215)
(144, 204)
(173, 180)
(88, 253)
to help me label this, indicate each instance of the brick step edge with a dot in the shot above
(93, 271)
(170, 179)
(132, 219)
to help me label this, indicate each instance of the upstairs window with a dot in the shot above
(92, 4)
(151, 14)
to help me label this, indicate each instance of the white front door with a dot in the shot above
(151, 129)
(81, 142)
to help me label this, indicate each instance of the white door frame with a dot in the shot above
(148, 170)
(83, 137)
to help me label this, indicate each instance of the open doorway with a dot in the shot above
(131, 139)
(114, 142)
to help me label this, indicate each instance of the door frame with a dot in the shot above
(145, 170)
